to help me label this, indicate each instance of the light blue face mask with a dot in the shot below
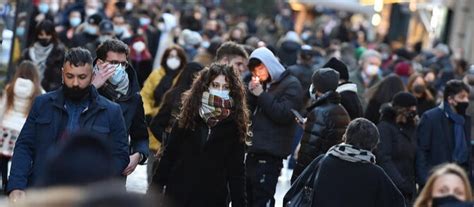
(144, 21)
(20, 31)
(75, 21)
(91, 30)
(118, 75)
(43, 8)
(118, 30)
(224, 94)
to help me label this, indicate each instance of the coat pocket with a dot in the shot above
(101, 131)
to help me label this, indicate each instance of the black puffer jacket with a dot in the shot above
(326, 123)
(396, 152)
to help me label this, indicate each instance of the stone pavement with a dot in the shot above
(137, 182)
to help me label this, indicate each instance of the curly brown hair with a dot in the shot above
(191, 99)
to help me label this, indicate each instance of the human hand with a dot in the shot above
(104, 72)
(255, 86)
(134, 160)
(16, 195)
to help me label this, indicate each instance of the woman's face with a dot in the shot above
(44, 38)
(219, 83)
(449, 184)
(419, 81)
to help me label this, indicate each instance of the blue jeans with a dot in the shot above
(262, 177)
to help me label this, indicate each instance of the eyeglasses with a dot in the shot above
(115, 62)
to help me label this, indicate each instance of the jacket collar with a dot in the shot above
(348, 86)
(58, 98)
(328, 97)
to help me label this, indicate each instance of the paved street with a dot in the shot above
(136, 182)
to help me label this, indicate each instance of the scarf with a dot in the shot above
(214, 109)
(165, 84)
(38, 54)
(116, 92)
(351, 153)
(460, 153)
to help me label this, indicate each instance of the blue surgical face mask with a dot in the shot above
(43, 8)
(118, 75)
(20, 31)
(118, 30)
(224, 94)
(90, 30)
(144, 21)
(75, 21)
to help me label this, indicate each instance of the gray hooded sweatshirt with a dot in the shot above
(275, 69)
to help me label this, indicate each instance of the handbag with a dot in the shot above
(301, 192)
(8, 139)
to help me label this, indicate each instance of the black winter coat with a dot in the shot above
(435, 142)
(273, 124)
(349, 99)
(288, 52)
(424, 105)
(52, 76)
(354, 184)
(396, 152)
(325, 125)
(197, 172)
(133, 113)
(303, 73)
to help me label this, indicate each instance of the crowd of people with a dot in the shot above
(213, 102)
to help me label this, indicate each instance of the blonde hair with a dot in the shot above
(425, 197)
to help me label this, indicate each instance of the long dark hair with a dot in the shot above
(184, 82)
(181, 56)
(191, 100)
(48, 27)
(383, 91)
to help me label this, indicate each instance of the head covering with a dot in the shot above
(404, 99)
(325, 79)
(191, 38)
(275, 69)
(106, 27)
(94, 19)
(292, 36)
(403, 69)
(339, 66)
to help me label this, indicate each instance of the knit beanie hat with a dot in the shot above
(325, 79)
(404, 99)
(339, 66)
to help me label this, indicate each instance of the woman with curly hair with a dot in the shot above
(204, 157)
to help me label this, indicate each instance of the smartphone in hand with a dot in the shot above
(298, 116)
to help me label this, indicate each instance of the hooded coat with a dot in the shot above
(273, 123)
(166, 38)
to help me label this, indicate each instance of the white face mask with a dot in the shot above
(173, 63)
(161, 26)
(90, 11)
(23, 88)
(139, 46)
(372, 70)
(224, 94)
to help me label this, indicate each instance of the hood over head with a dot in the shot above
(275, 69)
